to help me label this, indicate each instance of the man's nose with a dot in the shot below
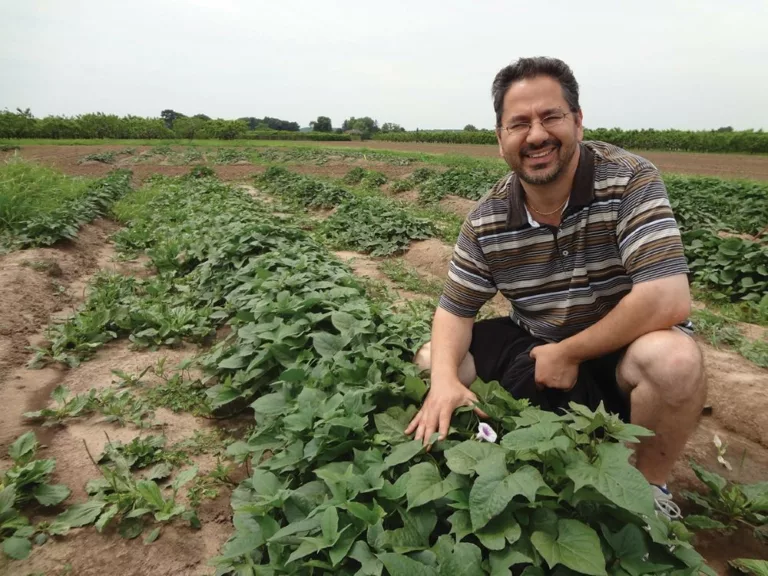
(537, 135)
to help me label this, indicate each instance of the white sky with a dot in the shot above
(697, 64)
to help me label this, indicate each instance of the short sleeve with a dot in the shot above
(647, 234)
(470, 283)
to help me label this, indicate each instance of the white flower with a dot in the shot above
(721, 449)
(724, 462)
(485, 432)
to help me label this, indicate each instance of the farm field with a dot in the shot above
(218, 361)
(720, 165)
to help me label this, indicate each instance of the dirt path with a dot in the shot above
(35, 287)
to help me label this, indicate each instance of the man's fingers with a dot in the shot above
(480, 412)
(445, 424)
(414, 423)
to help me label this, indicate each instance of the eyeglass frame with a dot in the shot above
(530, 124)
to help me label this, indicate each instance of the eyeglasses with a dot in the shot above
(550, 121)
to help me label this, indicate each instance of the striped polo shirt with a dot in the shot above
(617, 230)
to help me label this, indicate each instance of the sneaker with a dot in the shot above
(664, 503)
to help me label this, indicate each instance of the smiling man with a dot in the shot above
(581, 239)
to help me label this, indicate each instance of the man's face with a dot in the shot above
(538, 155)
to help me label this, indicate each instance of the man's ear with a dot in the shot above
(498, 139)
(579, 118)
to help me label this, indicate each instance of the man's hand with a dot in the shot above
(554, 368)
(435, 414)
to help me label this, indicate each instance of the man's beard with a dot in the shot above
(563, 157)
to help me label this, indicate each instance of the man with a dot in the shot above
(582, 241)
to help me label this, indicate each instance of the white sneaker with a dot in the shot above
(664, 503)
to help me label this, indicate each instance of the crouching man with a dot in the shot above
(581, 239)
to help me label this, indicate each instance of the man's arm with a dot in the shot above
(652, 253)
(653, 305)
(451, 337)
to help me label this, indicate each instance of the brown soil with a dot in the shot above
(458, 205)
(37, 282)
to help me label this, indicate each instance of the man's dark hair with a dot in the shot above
(526, 68)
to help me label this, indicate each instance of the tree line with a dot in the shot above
(173, 124)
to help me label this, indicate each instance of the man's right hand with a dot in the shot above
(445, 396)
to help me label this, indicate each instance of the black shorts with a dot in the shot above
(501, 352)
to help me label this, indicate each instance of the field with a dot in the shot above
(215, 363)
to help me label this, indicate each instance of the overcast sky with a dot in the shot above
(692, 64)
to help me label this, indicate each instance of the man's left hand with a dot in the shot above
(554, 369)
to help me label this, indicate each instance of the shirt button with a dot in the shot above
(565, 252)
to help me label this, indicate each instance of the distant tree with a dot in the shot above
(202, 117)
(170, 116)
(725, 129)
(322, 124)
(365, 125)
(470, 128)
(277, 124)
(391, 127)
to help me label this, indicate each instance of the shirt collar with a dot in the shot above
(582, 192)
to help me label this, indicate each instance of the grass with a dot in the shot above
(722, 332)
(405, 276)
(28, 191)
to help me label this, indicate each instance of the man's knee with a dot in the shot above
(423, 357)
(672, 363)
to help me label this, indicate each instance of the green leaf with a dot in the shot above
(184, 477)
(750, 566)
(757, 495)
(577, 547)
(159, 471)
(50, 495)
(465, 560)
(81, 514)
(152, 536)
(151, 493)
(329, 525)
(340, 549)
(698, 522)
(613, 477)
(491, 493)
(415, 389)
(17, 548)
(364, 513)
(498, 532)
(502, 560)
(346, 323)
(532, 438)
(369, 564)
(461, 524)
(399, 565)
(463, 458)
(424, 484)
(629, 542)
(327, 345)
(105, 517)
(713, 481)
(130, 528)
(22, 446)
(403, 453)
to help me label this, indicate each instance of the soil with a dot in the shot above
(37, 285)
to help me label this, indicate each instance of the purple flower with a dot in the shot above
(485, 432)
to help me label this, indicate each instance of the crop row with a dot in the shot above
(39, 206)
